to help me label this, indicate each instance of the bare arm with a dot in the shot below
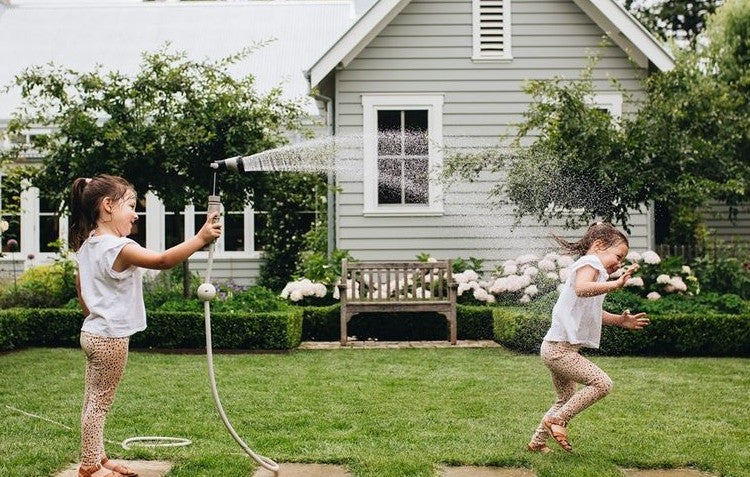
(625, 320)
(586, 284)
(85, 309)
(133, 254)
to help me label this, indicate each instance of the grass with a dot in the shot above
(382, 413)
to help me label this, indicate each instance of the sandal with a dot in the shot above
(539, 448)
(555, 427)
(96, 471)
(120, 469)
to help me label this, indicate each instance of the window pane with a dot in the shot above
(49, 233)
(49, 225)
(389, 133)
(389, 181)
(139, 227)
(234, 232)
(416, 183)
(261, 224)
(415, 125)
(174, 226)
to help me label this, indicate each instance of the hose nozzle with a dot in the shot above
(233, 164)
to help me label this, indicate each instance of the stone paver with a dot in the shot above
(144, 468)
(304, 470)
(372, 344)
(471, 471)
(680, 472)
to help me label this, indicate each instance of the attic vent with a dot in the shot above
(491, 25)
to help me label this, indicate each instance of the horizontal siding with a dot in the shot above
(717, 220)
(427, 49)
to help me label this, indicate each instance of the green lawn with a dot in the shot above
(382, 413)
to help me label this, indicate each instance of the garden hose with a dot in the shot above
(206, 292)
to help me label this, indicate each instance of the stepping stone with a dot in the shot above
(145, 468)
(681, 472)
(304, 470)
(471, 471)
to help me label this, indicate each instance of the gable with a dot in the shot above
(624, 30)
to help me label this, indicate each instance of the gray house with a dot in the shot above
(450, 70)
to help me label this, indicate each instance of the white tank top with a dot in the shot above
(114, 299)
(575, 319)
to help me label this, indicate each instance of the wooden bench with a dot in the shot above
(397, 287)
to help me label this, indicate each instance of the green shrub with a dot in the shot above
(324, 324)
(61, 327)
(13, 329)
(672, 334)
(720, 273)
(321, 323)
(42, 286)
(474, 322)
(229, 299)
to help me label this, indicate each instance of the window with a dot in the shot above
(491, 30)
(402, 144)
(9, 201)
(609, 102)
(49, 225)
(139, 227)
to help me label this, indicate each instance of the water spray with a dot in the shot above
(206, 292)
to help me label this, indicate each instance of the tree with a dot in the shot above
(687, 144)
(160, 128)
(679, 20)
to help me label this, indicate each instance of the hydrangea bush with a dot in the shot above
(523, 279)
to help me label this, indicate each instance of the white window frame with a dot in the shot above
(612, 102)
(477, 56)
(371, 104)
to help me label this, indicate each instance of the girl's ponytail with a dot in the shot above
(80, 227)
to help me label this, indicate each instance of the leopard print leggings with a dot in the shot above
(568, 367)
(105, 364)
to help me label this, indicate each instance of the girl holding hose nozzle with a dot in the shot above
(110, 294)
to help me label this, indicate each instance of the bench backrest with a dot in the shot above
(397, 281)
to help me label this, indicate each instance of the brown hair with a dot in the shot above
(602, 231)
(85, 198)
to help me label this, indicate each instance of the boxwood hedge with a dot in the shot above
(676, 334)
(61, 327)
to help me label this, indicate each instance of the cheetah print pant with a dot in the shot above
(105, 364)
(568, 367)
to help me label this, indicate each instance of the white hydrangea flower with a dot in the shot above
(461, 278)
(553, 276)
(677, 283)
(510, 267)
(491, 298)
(546, 265)
(634, 282)
(462, 287)
(336, 293)
(432, 260)
(552, 256)
(320, 290)
(531, 271)
(651, 257)
(481, 294)
(471, 275)
(686, 270)
(531, 290)
(525, 299)
(563, 273)
(653, 296)
(4, 226)
(529, 257)
(663, 279)
(296, 295)
(634, 257)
